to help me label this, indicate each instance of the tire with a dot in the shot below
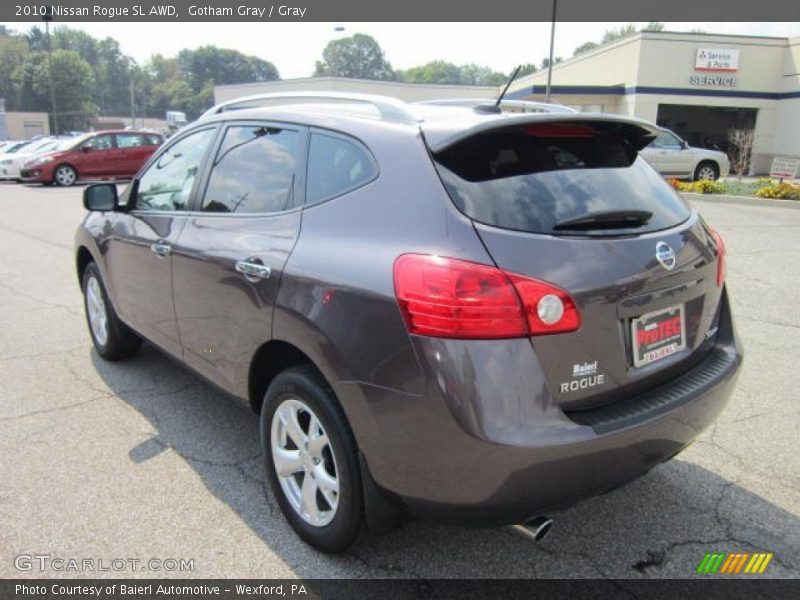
(706, 171)
(302, 393)
(112, 339)
(65, 175)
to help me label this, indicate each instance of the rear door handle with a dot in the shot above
(253, 269)
(161, 249)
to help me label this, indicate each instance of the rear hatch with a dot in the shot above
(569, 202)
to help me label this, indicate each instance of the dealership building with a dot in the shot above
(702, 86)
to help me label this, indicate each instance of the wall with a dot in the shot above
(25, 125)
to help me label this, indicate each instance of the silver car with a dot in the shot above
(670, 155)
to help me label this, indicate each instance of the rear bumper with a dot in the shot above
(487, 444)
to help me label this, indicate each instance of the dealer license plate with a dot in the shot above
(657, 335)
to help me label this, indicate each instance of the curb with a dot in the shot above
(742, 200)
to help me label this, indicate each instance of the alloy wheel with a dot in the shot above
(96, 307)
(706, 173)
(65, 176)
(304, 462)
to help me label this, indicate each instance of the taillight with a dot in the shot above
(721, 256)
(449, 298)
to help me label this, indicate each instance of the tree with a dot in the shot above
(526, 69)
(437, 71)
(13, 53)
(585, 47)
(473, 74)
(741, 146)
(358, 56)
(612, 35)
(546, 62)
(73, 82)
(222, 66)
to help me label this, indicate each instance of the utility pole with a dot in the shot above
(552, 42)
(47, 17)
(133, 105)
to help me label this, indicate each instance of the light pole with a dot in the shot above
(47, 16)
(552, 42)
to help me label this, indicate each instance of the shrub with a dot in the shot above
(675, 183)
(700, 187)
(783, 191)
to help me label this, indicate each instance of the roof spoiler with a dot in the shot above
(638, 132)
(485, 105)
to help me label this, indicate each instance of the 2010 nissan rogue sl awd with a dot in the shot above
(443, 311)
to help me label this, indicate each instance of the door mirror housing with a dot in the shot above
(100, 197)
(86, 147)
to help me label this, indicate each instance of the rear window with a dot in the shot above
(535, 177)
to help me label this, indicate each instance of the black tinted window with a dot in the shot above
(527, 182)
(255, 171)
(336, 166)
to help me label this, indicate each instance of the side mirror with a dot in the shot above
(684, 144)
(100, 197)
(86, 148)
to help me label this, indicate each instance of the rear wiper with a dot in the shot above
(606, 219)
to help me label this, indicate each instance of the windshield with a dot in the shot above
(537, 180)
(40, 146)
(16, 147)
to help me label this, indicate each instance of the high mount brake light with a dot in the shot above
(559, 130)
(450, 298)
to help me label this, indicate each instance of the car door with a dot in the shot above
(131, 153)
(139, 253)
(95, 157)
(231, 253)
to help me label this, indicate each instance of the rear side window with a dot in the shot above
(537, 178)
(336, 166)
(131, 140)
(255, 171)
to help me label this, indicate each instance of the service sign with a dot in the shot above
(716, 59)
(784, 167)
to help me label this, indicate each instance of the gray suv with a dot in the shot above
(449, 312)
(673, 157)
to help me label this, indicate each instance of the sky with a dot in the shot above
(294, 47)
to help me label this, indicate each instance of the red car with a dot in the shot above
(96, 155)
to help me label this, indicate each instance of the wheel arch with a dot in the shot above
(83, 257)
(268, 361)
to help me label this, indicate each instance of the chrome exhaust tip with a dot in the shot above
(534, 529)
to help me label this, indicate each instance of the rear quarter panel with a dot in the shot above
(336, 302)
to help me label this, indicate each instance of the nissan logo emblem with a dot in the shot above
(665, 255)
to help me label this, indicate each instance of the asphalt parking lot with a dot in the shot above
(141, 459)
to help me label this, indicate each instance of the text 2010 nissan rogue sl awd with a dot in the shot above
(441, 311)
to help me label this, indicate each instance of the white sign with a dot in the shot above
(716, 59)
(784, 168)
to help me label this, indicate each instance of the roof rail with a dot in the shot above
(389, 108)
(488, 105)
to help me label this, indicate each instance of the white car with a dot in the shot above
(11, 161)
(673, 157)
